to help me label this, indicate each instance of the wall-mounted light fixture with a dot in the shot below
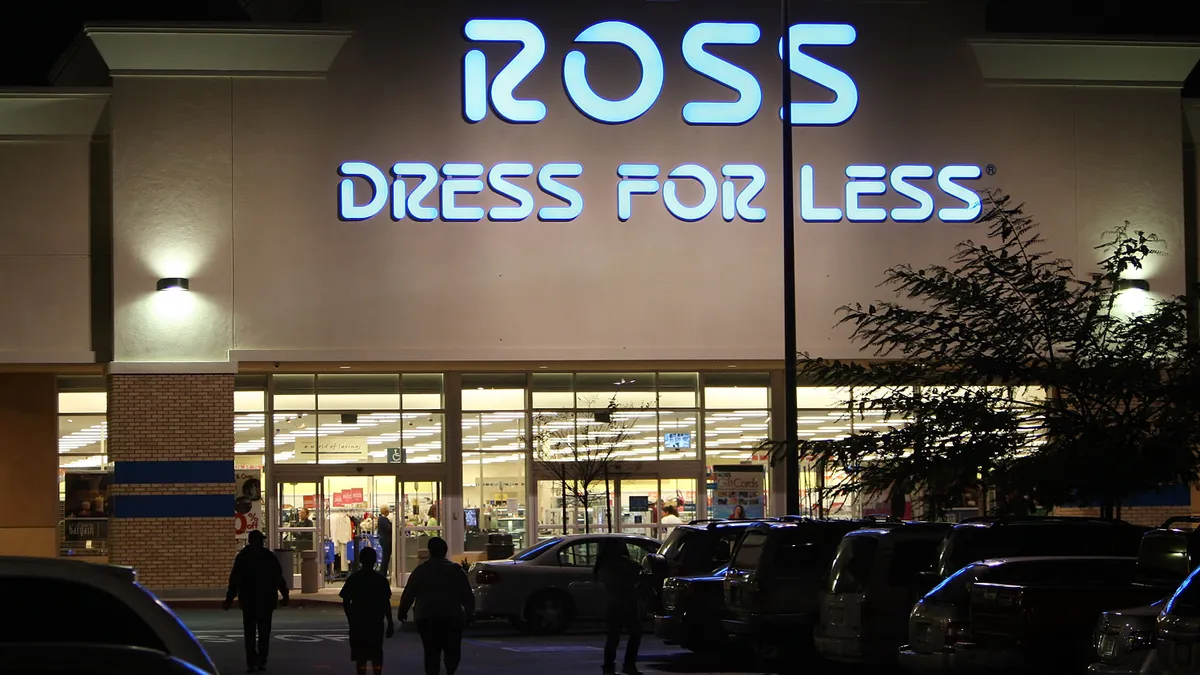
(1133, 285)
(172, 284)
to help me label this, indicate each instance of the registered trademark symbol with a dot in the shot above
(991, 169)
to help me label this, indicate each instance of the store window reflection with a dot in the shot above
(494, 461)
(84, 474)
(358, 419)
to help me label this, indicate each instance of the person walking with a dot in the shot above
(444, 604)
(624, 585)
(367, 601)
(383, 527)
(257, 582)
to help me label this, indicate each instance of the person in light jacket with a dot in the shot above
(444, 604)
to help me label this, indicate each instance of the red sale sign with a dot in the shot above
(310, 501)
(356, 496)
(337, 500)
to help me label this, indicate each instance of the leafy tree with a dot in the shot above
(581, 452)
(1007, 370)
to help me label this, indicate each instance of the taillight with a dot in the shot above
(487, 577)
(955, 632)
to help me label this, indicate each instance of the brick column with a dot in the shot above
(170, 438)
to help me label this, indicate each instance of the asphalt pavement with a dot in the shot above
(313, 640)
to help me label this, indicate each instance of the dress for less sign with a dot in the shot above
(344, 448)
(490, 75)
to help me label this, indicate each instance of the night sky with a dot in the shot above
(37, 33)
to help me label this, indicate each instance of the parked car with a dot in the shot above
(872, 586)
(774, 579)
(1008, 537)
(1048, 623)
(70, 658)
(1178, 645)
(940, 635)
(119, 612)
(542, 589)
(1125, 638)
(691, 603)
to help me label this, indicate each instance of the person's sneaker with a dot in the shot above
(609, 670)
(630, 670)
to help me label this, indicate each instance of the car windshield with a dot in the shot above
(536, 550)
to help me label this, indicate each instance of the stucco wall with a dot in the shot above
(233, 183)
(44, 265)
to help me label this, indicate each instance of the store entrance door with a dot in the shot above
(644, 501)
(353, 520)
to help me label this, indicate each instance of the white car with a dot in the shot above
(59, 601)
(543, 588)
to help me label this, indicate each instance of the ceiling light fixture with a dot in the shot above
(172, 284)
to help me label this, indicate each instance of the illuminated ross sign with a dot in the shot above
(424, 192)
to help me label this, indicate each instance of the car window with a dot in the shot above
(910, 558)
(677, 543)
(536, 550)
(852, 564)
(44, 604)
(580, 554)
(1164, 557)
(638, 550)
(750, 552)
(797, 554)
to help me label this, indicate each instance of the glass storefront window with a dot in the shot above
(295, 392)
(493, 392)
(359, 391)
(422, 391)
(626, 390)
(678, 390)
(582, 508)
(494, 477)
(553, 391)
(677, 435)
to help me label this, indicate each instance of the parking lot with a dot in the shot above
(314, 640)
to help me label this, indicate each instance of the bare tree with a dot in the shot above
(582, 451)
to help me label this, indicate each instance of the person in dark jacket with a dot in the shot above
(257, 582)
(367, 601)
(624, 584)
(444, 604)
(383, 527)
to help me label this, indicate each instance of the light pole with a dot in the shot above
(791, 438)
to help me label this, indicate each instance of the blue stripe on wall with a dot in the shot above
(143, 473)
(173, 506)
(1169, 495)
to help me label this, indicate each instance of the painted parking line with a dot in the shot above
(550, 649)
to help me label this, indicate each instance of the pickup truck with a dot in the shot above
(1049, 625)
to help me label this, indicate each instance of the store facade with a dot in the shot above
(440, 252)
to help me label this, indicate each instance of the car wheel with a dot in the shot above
(547, 614)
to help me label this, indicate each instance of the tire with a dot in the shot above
(547, 613)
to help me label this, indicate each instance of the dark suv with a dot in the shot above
(1125, 638)
(693, 561)
(1002, 537)
(774, 580)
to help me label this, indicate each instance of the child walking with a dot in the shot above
(366, 599)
